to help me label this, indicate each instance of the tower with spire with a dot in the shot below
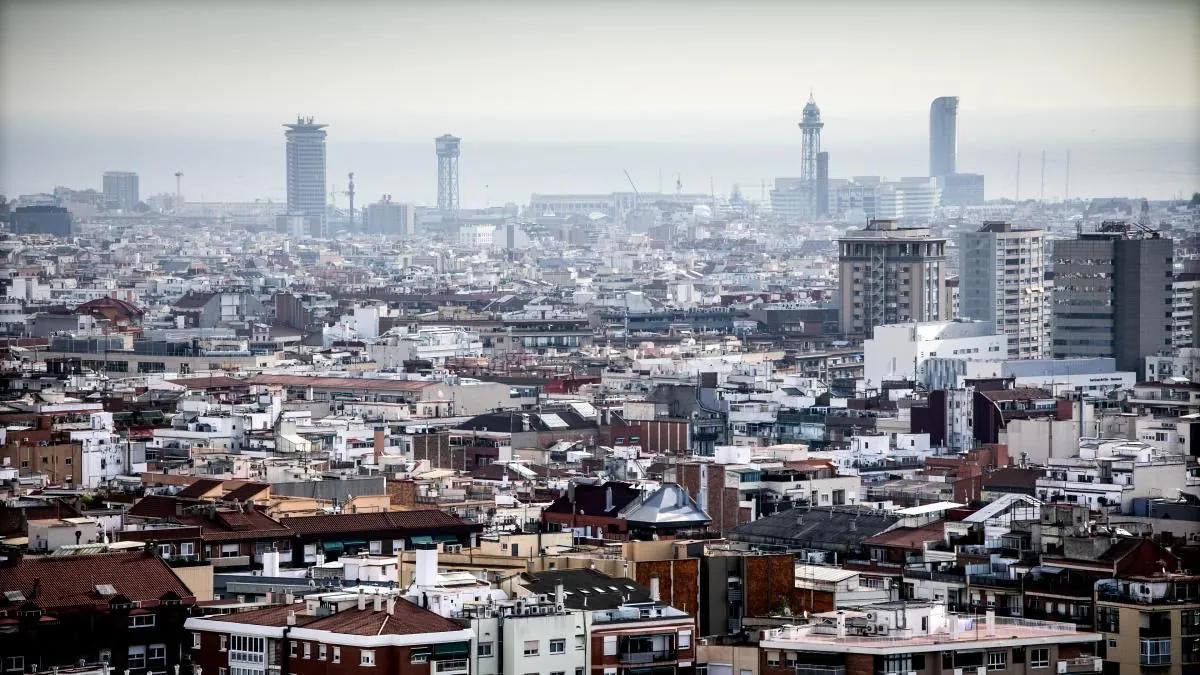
(810, 126)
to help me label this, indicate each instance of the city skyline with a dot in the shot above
(717, 78)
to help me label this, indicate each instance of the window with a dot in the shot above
(419, 657)
(157, 655)
(366, 657)
(485, 650)
(222, 671)
(375, 547)
(558, 672)
(308, 650)
(141, 621)
(531, 648)
(14, 663)
(293, 649)
(579, 671)
(685, 639)
(337, 654)
(610, 645)
(558, 646)
(105, 656)
(196, 640)
(579, 642)
(1108, 620)
(1039, 658)
(772, 659)
(897, 663)
(997, 660)
(137, 657)
(224, 642)
(164, 550)
(321, 652)
(1156, 652)
(187, 548)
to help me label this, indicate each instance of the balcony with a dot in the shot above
(1083, 664)
(657, 656)
(451, 666)
(231, 561)
(802, 669)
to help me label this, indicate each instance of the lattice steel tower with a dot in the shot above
(447, 154)
(811, 125)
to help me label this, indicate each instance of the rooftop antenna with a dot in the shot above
(1042, 194)
(1018, 197)
(1067, 186)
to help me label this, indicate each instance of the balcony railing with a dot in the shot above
(648, 657)
(451, 666)
(820, 670)
(1083, 664)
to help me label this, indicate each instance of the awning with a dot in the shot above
(421, 540)
(444, 537)
(332, 547)
(357, 543)
(451, 649)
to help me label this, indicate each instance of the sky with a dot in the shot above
(126, 81)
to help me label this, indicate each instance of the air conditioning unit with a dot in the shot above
(870, 616)
(981, 670)
(452, 548)
(870, 629)
(958, 671)
(881, 629)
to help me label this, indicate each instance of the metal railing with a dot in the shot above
(820, 670)
(648, 657)
(451, 666)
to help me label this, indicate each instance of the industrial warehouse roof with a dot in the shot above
(830, 529)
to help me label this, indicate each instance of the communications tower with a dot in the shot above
(810, 125)
(447, 155)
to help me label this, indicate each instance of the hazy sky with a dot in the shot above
(571, 70)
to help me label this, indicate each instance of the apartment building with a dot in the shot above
(352, 631)
(926, 639)
(890, 274)
(1001, 280)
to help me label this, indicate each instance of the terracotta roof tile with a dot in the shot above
(70, 581)
(422, 520)
(408, 619)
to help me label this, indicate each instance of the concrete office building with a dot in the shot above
(390, 218)
(943, 136)
(1113, 295)
(54, 220)
(1186, 307)
(306, 172)
(890, 274)
(961, 189)
(1001, 280)
(900, 351)
(120, 190)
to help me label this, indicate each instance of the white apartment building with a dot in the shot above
(1185, 309)
(1109, 474)
(426, 343)
(1184, 363)
(900, 351)
(1001, 280)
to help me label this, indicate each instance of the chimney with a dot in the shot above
(989, 620)
(291, 618)
(289, 598)
(270, 563)
(560, 596)
(425, 574)
(362, 600)
(654, 595)
(391, 605)
(608, 499)
(841, 625)
(378, 602)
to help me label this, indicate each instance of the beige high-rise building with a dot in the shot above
(890, 274)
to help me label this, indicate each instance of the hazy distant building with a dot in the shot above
(447, 148)
(390, 218)
(913, 200)
(54, 220)
(961, 189)
(822, 184)
(1001, 280)
(943, 136)
(120, 190)
(890, 274)
(1113, 295)
(306, 172)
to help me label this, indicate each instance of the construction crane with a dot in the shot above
(350, 193)
(636, 195)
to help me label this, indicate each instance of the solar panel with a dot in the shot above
(14, 596)
(106, 590)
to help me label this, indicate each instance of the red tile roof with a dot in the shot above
(908, 537)
(423, 520)
(70, 581)
(199, 488)
(246, 491)
(220, 524)
(408, 619)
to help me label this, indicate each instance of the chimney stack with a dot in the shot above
(378, 603)
(362, 600)
(654, 589)
(425, 573)
(391, 605)
(291, 618)
(560, 596)
(990, 622)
